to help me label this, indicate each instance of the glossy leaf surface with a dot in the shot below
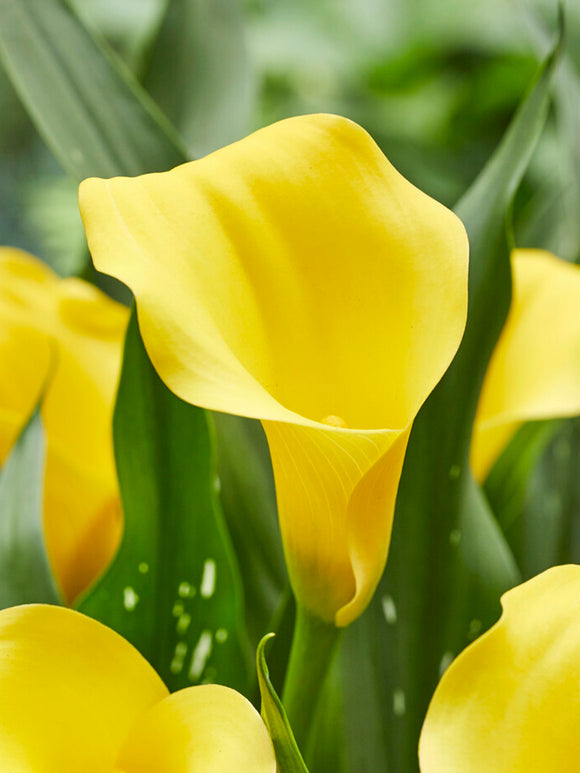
(173, 590)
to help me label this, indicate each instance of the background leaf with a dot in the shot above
(200, 74)
(25, 573)
(433, 598)
(557, 228)
(326, 751)
(547, 533)
(249, 500)
(173, 589)
(506, 485)
(89, 109)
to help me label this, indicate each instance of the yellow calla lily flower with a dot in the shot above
(534, 372)
(67, 336)
(75, 696)
(298, 278)
(510, 701)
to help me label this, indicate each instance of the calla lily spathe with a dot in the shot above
(534, 372)
(510, 701)
(75, 696)
(298, 278)
(63, 338)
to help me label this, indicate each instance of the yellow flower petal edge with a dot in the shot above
(75, 696)
(510, 701)
(202, 729)
(71, 333)
(534, 372)
(70, 691)
(298, 278)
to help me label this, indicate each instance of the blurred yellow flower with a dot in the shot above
(75, 696)
(510, 702)
(68, 332)
(298, 278)
(534, 372)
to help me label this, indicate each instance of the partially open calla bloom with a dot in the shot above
(75, 696)
(298, 278)
(64, 337)
(510, 700)
(534, 372)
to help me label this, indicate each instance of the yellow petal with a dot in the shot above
(336, 497)
(510, 702)
(534, 372)
(298, 278)
(203, 729)
(83, 522)
(80, 331)
(70, 690)
(24, 377)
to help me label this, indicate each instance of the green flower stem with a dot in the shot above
(313, 645)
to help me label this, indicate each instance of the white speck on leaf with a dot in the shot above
(399, 703)
(208, 579)
(130, 599)
(389, 609)
(185, 590)
(221, 635)
(200, 656)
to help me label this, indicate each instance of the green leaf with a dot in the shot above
(562, 234)
(249, 501)
(548, 531)
(506, 484)
(91, 112)
(326, 752)
(199, 73)
(487, 568)
(448, 562)
(173, 589)
(25, 573)
(287, 753)
(374, 702)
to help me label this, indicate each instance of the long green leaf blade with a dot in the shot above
(173, 589)
(93, 115)
(199, 73)
(25, 573)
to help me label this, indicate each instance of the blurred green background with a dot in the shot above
(434, 81)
